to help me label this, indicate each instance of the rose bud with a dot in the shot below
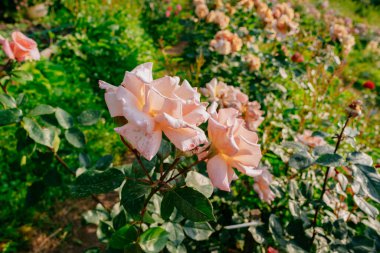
(354, 109)
(297, 57)
(369, 85)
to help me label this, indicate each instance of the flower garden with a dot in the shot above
(189, 126)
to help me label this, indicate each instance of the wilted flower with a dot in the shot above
(201, 11)
(354, 109)
(253, 61)
(219, 18)
(308, 139)
(297, 57)
(261, 186)
(232, 146)
(226, 42)
(253, 115)
(20, 48)
(153, 107)
(369, 85)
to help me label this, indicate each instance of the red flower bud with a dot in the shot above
(297, 57)
(369, 85)
(169, 8)
(167, 13)
(271, 250)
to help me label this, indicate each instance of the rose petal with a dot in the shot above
(219, 173)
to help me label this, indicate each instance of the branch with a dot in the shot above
(137, 155)
(317, 209)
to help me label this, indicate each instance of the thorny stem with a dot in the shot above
(317, 208)
(135, 152)
(60, 160)
(185, 170)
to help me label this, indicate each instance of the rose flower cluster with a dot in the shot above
(164, 106)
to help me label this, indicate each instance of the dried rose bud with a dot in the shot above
(297, 57)
(354, 109)
(369, 85)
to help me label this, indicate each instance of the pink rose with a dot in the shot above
(232, 146)
(253, 115)
(153, 107)
(21, 48)
(312, 141)
(261, 186)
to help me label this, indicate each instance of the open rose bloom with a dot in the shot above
(153, 107)
(232, 146)
(20, 48)
(312, 141)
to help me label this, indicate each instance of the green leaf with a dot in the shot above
(172, 248)
(321, 150)
(164, 150)
(104, 162)
(43, 136)
(89, 117)
(359, 158)
(41, 110)
(137, 171)
(276, 229)
(300, 160)
(8, 101)
(366, 207)
(369, 180)
(84, 160)
(64, 118)
(167, 206)
(21, 76)
(95, 182)
(122, 237)
(258, 233)
(154, 240)
(330, 160)
(199, 183)
(75, 137)
(176, 234)
(10, 116)
(198, 231)
(192, 204)
(133, 197)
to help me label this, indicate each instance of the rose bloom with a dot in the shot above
(297, 57)
(201, 11)
(261, 186)
(254, 62)
(225, 95)
(226, 42)
(253, 115)
(153, 107)
(219, 18)
(20, 48)
(312, 141)
(369, 85)
(248, 4)
(283, 9)
(284, 26)
(232, 146)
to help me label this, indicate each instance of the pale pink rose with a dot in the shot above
(284, 26)
(167, 13)
(20, 48)
(153, 107)
(253, 115)
(227, 96)
(201, 11)
(261, 186)
(312, 141)
(232, 146)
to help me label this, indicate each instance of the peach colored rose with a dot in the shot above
(201, 11)
(312, 141)
(232, 146)
(253, 61)
(253, 115)
(20, 48)
(153, 107)
(261, 186)
(284, 26)
(226, 42)
(248, 4)
(283, 9)
(219, 18)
